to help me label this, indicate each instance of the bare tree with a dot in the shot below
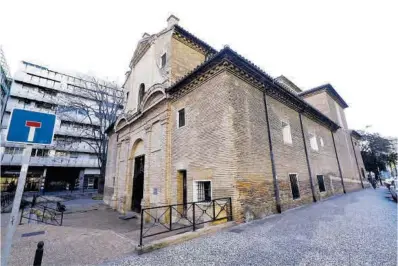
(95, 108)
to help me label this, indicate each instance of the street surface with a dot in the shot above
(359, 228)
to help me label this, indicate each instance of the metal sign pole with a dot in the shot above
(12, 225)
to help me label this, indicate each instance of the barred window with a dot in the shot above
(181, 118)
(294, 185)
(202, 191)
(321, 183)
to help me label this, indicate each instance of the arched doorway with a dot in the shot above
(138, 183)
(138, 176)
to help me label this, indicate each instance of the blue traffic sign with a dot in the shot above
(31, 127)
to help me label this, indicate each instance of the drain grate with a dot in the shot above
(236, 230)
(33, 234)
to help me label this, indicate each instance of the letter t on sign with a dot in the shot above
(32, 125)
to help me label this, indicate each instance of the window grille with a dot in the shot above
(181, 118)
(203, 189)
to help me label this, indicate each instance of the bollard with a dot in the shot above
(39, 254)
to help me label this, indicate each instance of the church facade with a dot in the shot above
(202, 124)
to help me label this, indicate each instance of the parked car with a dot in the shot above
(393, 189)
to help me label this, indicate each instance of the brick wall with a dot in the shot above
(289, 158)
(204, 147)
(183, 59)
(254, 181)
(323, 161)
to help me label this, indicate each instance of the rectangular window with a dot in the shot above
(287, 134)
(181, 118)
(163, 61)
(73, 155)
(321, 141)
(338, 113)
(321, 183)
(202, 191)
(294, 185)
(313, 142)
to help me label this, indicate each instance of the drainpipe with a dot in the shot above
(308, 161)
(356, 160)
(338, 162)
(271, 153)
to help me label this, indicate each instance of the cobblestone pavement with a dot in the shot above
(359, 228)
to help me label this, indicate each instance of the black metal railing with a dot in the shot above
(6, 199)
(168, 218)
(42, 214)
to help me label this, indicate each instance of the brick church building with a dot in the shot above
(202, 124)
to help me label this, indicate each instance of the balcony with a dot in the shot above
(8, 159)
(76, 132)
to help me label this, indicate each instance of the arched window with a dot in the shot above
(141, 93)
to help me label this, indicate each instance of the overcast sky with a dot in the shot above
(351, 44)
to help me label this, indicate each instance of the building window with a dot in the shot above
(321, 183)
(294, 185)
(313, 142)
(181, 118)
(163, 61)
(13, 150)
(74, 155)
(338, 113)
(287, 134)
(321, 142)
(202, 191)
(141, 93)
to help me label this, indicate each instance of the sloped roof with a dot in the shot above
(289, 98)
(355, 134)
(284, 81)
(195, 39)
(329, 89)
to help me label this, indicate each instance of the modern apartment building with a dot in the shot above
(5, 83)
(71, 162)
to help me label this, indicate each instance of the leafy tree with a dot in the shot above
(392, 161)
(375, 151)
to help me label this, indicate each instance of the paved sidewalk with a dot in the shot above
(359, 228)
(86, 238)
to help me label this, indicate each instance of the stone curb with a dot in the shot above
(176, 239)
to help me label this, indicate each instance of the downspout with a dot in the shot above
(271, 153)
(338, 162)
(308, 161)
(356, 160)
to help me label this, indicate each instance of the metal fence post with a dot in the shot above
(142, 226)
(20, 220)
(193, 217)
(39, 254)
(171, 217)
(230, 209)
(214, 210)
